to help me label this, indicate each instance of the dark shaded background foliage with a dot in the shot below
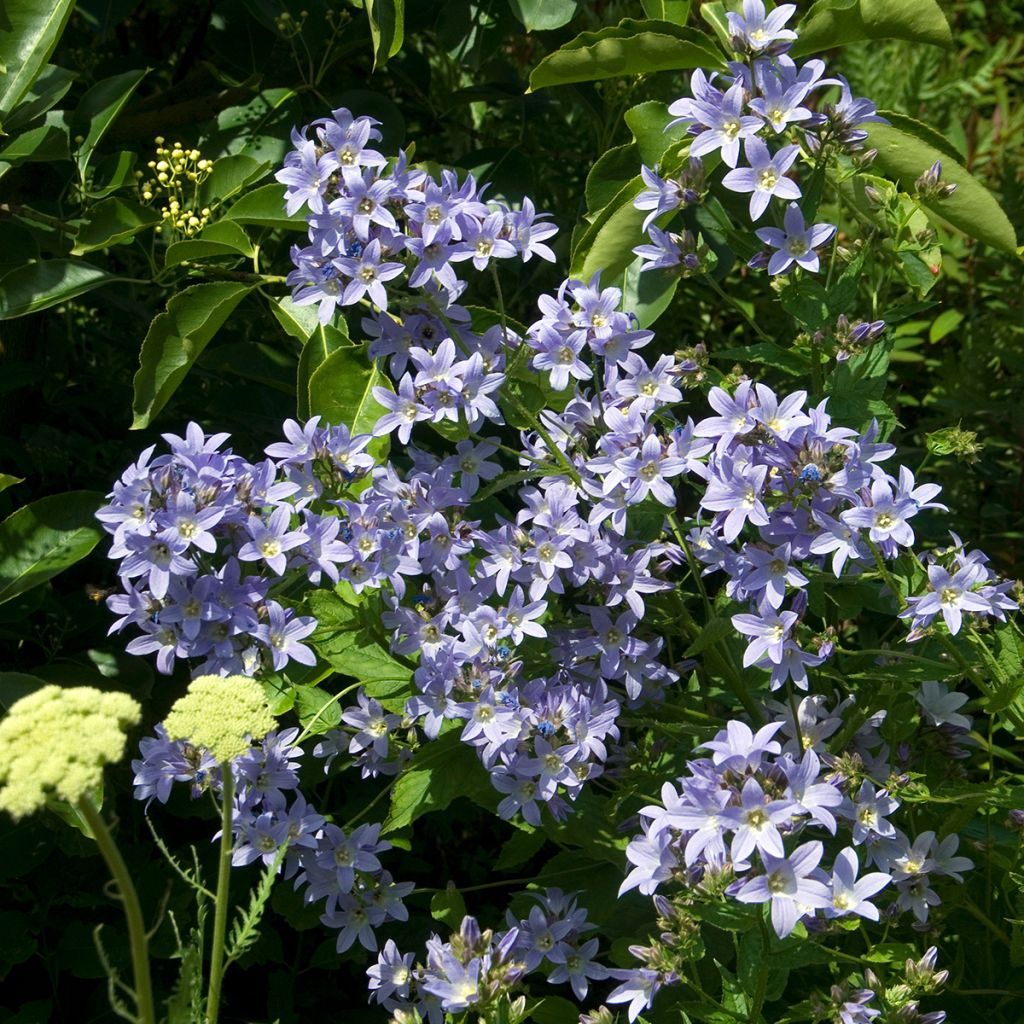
(223, 75)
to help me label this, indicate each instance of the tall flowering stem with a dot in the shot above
(137, 939)
(220, 919)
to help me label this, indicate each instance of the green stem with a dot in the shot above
(220, 919)
(132, 910)
(761, 987)
(17, 210)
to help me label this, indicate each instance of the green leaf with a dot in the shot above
(448, 907)
(298, 322)
(341, 391)
(828, 24)
(607, 245)
(6, 480)
(714, 14)
(612, 171)
(387, 28)
(99, 108)
(43, 284)
(193, 249)
(317, 709)
(111, 221)
(629, 48)
(856, 387)
(647, 121)
(46, 142)
(441, 771)
(175, 340)
(971, 208)
(543, 15)
(30, 31)
(647, 294)
(924, 132)
(116, 171)
(15, 685)
(807, 302)
(42, 539)
(318, 345)
(667, 10)
(230, 175)
(46, 92)
(265, 206)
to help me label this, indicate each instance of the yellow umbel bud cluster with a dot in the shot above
(221, 714)
(177, 173)
(55, 742)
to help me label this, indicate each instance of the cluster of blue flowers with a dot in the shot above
(475, 968)
(737, 827)
(272, 822)
(370, 223)
(206, 541)
(760, 100)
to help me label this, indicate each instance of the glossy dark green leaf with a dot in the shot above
(175, 340)
(29, 33)
(221, 238)
(629, 48)
(99, 108)
(40, 285)
(265, 206)
(317, 346)
(230, 175)
(830, 23)
(42, 539)
(111, 221)
(647, 294)
(613, 169)
(972, 208)
(46, 92)
(48, 142)
(543, 15)
(15, 685)
(607, 245)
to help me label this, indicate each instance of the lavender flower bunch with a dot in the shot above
(372, 221)
(762, 110)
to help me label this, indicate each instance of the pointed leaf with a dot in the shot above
(30, 31)
(99, 108)
(45, 283)
(341, 391)
(42, 539)
(265, 206)
(175, 340)
(111, 221)
(46, 92)
(830, 23)
(971, 208)
(629, 48)
(387, 28)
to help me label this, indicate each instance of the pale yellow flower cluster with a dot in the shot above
(55, 742)
(177, 171)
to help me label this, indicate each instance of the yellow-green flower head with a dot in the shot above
(55, 742)
(223, 714)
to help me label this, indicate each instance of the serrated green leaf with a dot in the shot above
(175, 340)
(828, 24)
(46, 283)
(42, 539)
(99, 108)
(629, 48)
(111, 221)
(971, 208)
(30, 33)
